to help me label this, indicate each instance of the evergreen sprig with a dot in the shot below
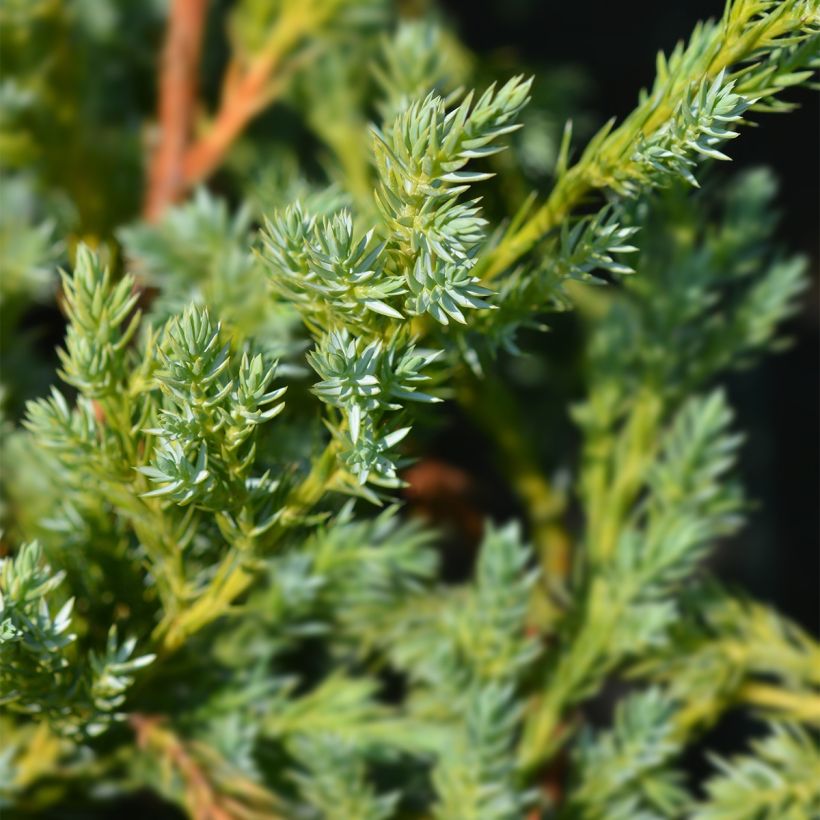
(209, 417)
(629, 605)
(755, 51)
(96, 342)
(421, 166)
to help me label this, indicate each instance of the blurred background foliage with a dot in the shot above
(777, 557)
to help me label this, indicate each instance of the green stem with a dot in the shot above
(614, 473)
(579, 671)
(149, 521)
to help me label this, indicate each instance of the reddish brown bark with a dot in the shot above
(244, 95)
(179, 161)
(177, 104)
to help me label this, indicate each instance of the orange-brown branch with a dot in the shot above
(202, 799)
(212, 791)
(177, 104)
(180, 161)
(250, 85)
(243, 97)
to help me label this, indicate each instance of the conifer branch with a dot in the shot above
(754, 52)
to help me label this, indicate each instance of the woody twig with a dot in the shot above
(177, 104)
(250, 84)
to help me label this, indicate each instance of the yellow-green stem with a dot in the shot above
(800, 706)
(729, 47)
(486, 402)
(236, 571)
(616, 482)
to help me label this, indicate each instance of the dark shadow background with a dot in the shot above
(777, 555)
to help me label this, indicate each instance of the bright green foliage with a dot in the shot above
(364, 381)
(208, 416)
(319, 267)
(421, 166)
(779, 780)
(342, 283)
(704, 120)
(297, 645)
(703, 86)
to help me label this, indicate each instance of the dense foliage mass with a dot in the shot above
(209, 586)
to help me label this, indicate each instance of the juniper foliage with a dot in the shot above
(210, 587)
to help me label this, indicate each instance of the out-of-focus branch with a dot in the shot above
(544, 504)
(250, 84)
(211, 790)
(244, 94)
(177, 104)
